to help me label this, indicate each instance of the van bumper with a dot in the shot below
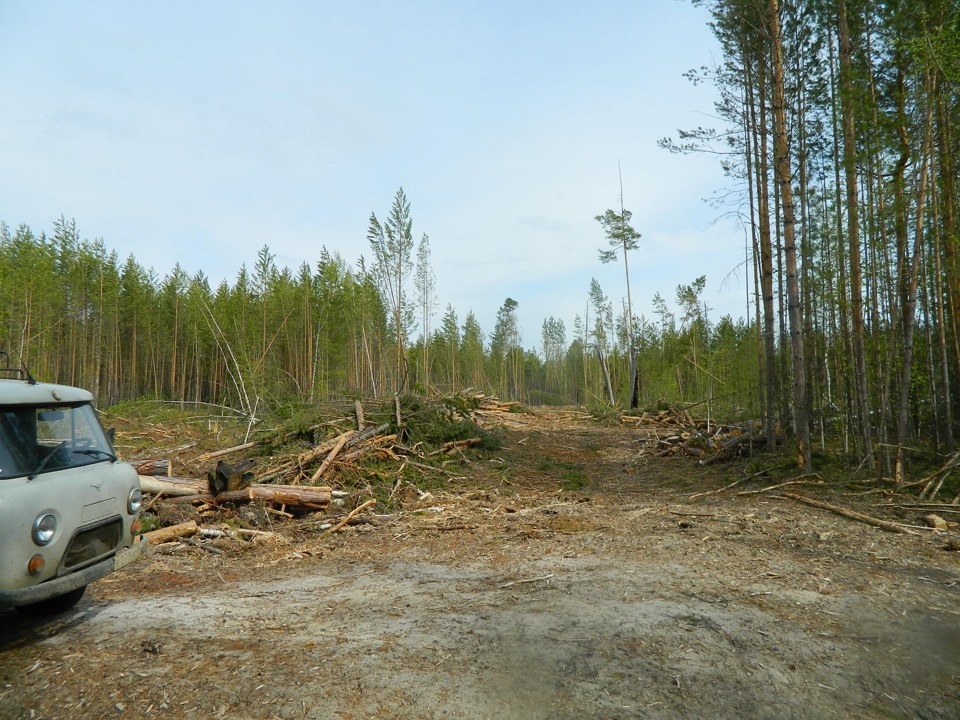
(78, 579)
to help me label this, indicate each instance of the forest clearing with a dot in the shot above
(574, 571)
(363, 502)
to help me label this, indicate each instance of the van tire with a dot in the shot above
(53, 605)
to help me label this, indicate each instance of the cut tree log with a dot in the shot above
(453, 447)
(358, 409)
(173, 487)
(188, 499)
(936, 522)
(185, 529)
(344, 439)
(235, 533)
(291, 495)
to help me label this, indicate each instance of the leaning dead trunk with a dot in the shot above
(606, 375)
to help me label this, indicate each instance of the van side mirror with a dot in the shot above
(111, 434)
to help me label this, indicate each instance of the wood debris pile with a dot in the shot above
(679, 433)
(492, 410)
(294, 473)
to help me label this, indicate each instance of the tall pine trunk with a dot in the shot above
(910, 303)
(794, 308)
(766, 254)
(861, 396)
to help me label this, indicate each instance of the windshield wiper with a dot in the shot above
(48, 458)
(93, 452)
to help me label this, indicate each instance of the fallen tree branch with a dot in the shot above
(368, 444)
(344, 439)
(720, 490)
(315, 453)
(935, 507)
(798, 481)
(194, 543)
(155, 537)
(935, 481)
(227, 451)
(152, 502)
(860, 517)
(348, 518)
(457, 445)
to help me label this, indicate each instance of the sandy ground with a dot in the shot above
(515, 594)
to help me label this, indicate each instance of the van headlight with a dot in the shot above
(44, 528)
(134, 501)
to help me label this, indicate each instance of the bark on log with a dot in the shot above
(460, 444)
(192, 499)
(155, 537)
(172, 487)
(293, 495)
(158, 466)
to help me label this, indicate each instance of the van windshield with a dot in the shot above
(41, 439)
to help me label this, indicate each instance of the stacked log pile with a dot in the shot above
(507, 414)
(224, 487)
(680, 433)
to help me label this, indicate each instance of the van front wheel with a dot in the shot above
(53, 605)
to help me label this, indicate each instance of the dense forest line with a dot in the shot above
(73, 312)
(836, 132)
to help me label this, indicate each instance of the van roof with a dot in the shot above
(22, 392)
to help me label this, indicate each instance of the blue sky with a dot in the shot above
(197, 132)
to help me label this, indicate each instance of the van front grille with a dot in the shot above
(92, 544)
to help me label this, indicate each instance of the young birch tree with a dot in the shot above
(392, 246)
(426, 284)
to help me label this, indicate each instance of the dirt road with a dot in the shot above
(567, 576)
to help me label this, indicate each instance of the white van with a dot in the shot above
(69, 509)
